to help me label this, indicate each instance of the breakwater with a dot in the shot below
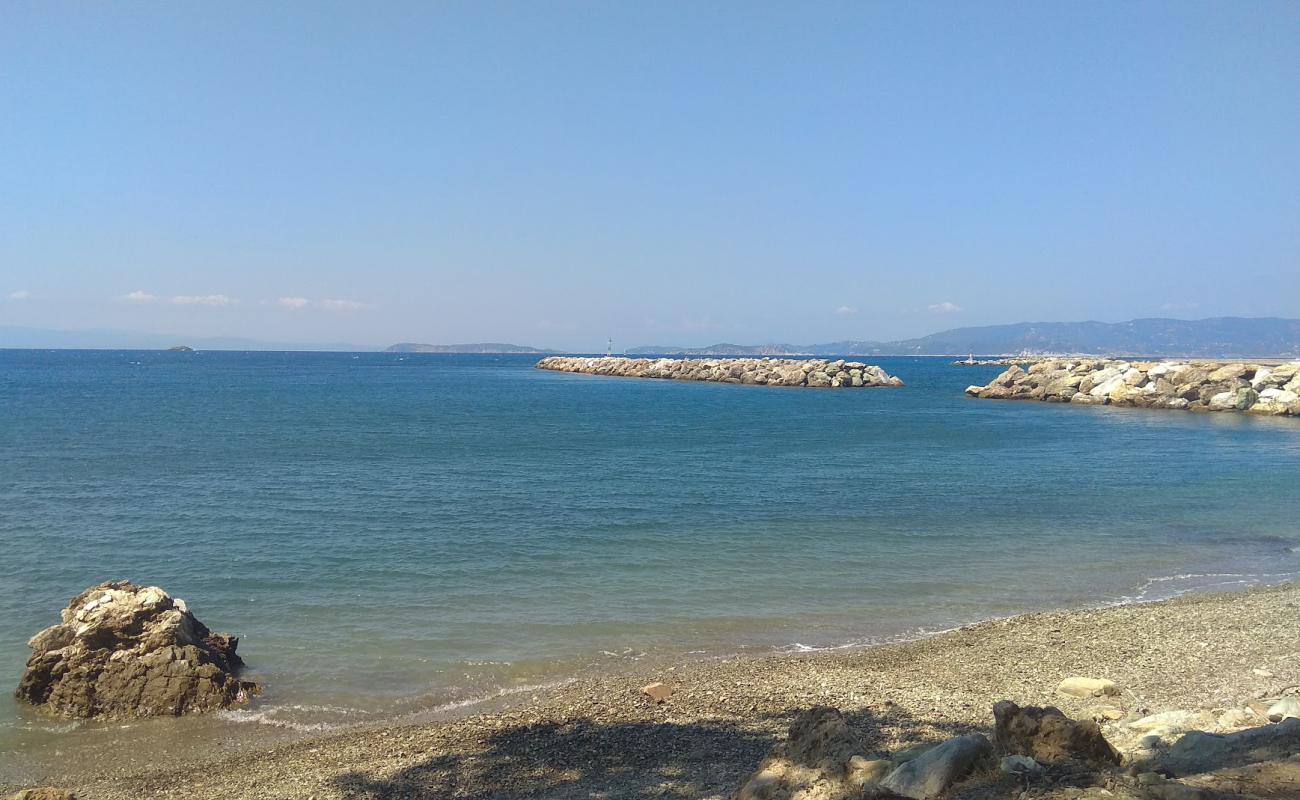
(995, 362)
(815, 373)
(1187, 385)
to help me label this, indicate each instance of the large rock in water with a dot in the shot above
(1047, 735)
(124, 651)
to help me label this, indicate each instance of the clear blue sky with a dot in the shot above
(671, 173)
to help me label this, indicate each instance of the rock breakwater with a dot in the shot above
(816, 373)
(996, 362)
(1186, 385)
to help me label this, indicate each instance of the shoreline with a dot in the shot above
(733, 707)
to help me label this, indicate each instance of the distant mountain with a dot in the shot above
(480, 347)
(1219, 337)
(726, 350)
(108, 339)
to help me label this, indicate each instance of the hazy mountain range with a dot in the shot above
(1218, 337)
(480, 347)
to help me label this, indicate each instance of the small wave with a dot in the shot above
(1149, 590)
(322, 709)
(50, 727)
(1146, 592)
(800, 647)
(505, 691)
(627, 652)
(266, 718)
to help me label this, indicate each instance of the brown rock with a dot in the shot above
(1047, 735)
(123, 650)
(657, 692)
(1087, 687)
(816, 762)
(43, 793)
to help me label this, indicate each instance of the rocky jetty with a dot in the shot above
(995, 362)
(122, 651)
(817, 373)
(1188, 385)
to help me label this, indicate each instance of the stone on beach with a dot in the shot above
(123, 651)
(819, 760)
(1168, 722)
(1047, 735)
(1198, 752)
(865, 771)
(657, 692)
(1285, 708)
(1087, 687)
(43, 793)
(937, 769)
(1021, 765)
(816, 373)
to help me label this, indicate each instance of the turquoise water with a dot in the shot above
(396, 534)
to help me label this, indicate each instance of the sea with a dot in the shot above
(396, 537)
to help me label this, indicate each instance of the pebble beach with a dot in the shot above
(601, 736)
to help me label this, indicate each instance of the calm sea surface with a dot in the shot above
(400, 534)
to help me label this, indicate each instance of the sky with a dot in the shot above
(675, 173)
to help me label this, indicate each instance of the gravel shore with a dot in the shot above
(599, 737)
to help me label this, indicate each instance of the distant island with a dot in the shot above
(480, 347)
(181, 348)
(1218, 337)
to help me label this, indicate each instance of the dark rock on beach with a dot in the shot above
(822, 757)
(1048, 736)
(938, 768)
(122, 651)
(1198, 751)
